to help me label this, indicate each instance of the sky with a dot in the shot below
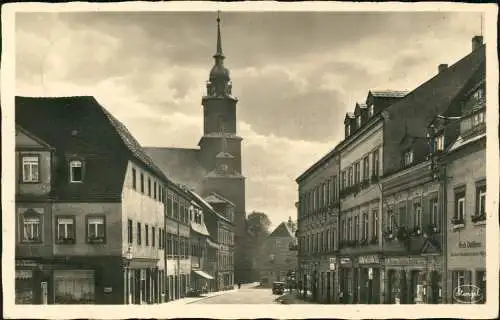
(295, 74)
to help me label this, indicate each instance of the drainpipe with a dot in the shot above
(444, 232)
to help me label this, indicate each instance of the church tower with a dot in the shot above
(220, 150)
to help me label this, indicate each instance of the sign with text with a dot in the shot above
(401, 261)
(345, 261)
(372, 259)
(469, 244)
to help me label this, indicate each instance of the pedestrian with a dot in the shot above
(239, 284)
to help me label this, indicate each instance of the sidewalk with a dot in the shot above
(189, 300)
(293, 298)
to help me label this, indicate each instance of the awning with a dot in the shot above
(212, 244)
(203, 274)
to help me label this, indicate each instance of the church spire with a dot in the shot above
(219, 53)
(219, 83)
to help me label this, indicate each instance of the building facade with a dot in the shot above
(276, 260)
(318, 229)
(177, 234)
(100, 234)
(393, 205)
(215, 166)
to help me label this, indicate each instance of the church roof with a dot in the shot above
(217, 198)
(281, 231)
(179, 164)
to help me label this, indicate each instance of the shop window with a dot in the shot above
(65, 230)
(31, 169)
(32, 227)
(76, 171)
(96, 229)
(74, 287)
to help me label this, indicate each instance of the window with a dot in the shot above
(357, 173)
(343, 180)
(154, 190)
(344, 230)
(478, 94)
(478, 118)
(169, 244)
(349, 229)
(31, 169)
(375, 166)
(134, 179)
(392, 220)
(356, 227)
(371, 110)
(139, 239)
(480, 200)
(32, 227)
(440, 143)
(142, 182)
(348, 130)
(366, 168)
(96, 230)
(146, 234)
(358, 121)
(365, 226)
(408, 157)
(349, 177)
(130, 231)
(435, 213)
(170, 205)
(149, 186)
(76, 170)
(65, 230)
(417, 219)
(460, 206)
(153, 237)
(375, 224)
(326, 193)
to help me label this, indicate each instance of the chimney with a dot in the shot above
(442, 67)
(477, 41)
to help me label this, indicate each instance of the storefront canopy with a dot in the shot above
(203, 274)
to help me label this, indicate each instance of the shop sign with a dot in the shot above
(333, 261)
(373, 259)
(344, 261)
(24, 274)
(26, 263)
(469, 244)
(403, 261)
(108, 289)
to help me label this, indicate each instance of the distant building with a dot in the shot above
(276, 258)
(89, 206)
(216, 165)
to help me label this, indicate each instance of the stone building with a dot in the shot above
(89, 204)
(215, 166)
(317, 227)
(177, 235)
(275, 260)
(390, 231)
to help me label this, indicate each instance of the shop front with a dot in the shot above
(346, 276)
(412, 280)
(369, 274)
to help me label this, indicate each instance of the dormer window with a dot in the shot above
(76, 171)
(439, 143)
(478, 94)
(358, 121)
(371, 110)
(478, 118)
(348, 130)
(408, 157)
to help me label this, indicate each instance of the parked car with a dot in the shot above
(278, 287)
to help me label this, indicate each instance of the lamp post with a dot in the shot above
(128, 258)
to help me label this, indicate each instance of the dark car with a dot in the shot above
(278, 287)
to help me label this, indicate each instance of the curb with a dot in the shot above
(213, 296)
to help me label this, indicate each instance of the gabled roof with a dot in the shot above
(348, 116)
(80, 126)
(207, 205)
(217, 198)
(281, 231)
(33, 137)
